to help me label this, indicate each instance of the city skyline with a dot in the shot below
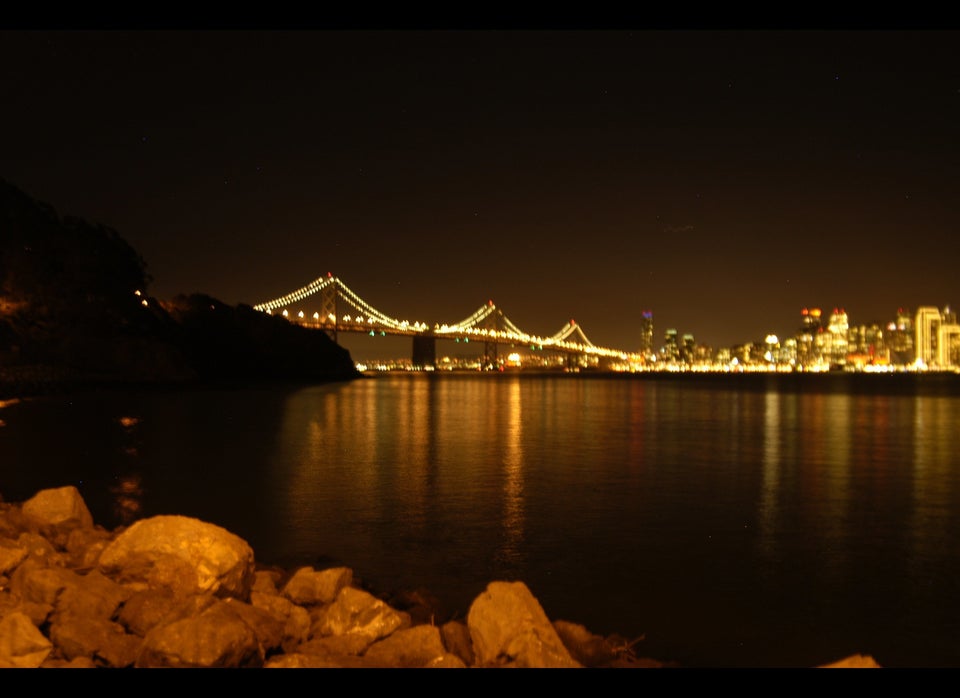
(721, 179)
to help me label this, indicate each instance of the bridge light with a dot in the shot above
(300, 315)
(372, 333)
(316, 316)
(284, 313)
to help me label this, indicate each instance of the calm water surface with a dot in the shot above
(730, 522)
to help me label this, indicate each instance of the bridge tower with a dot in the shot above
(330, 309)
(424, 351)
(491, 350)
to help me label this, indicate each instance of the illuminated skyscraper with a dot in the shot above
(948, 339)
(949, 345)
(927, 335)
(900, 339)
(671, 349)
(836, 342)
(646, 334)
(810, 328)
(687, 348)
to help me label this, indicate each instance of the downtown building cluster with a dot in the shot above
(925, 340)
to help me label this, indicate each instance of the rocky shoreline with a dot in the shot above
(177, 592)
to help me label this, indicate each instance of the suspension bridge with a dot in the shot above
(329, 304)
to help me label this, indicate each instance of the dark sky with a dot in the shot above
(722, 179)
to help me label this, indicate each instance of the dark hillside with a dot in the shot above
(75, 309)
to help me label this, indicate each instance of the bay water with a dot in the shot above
(719, 521)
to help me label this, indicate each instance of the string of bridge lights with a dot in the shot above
(467, 326)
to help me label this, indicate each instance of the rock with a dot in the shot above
(266, 581)
(296, 619)
(94, 638)
(75, 663)
(456, 638)
(508, 627)
(36, 582)
(267, 627)
(40, 549)
(182, 553)
(411, 648)
(91, 595)
(447, 661)
(11, 555)
(57, 511)
(216, 638)
(357, 612)
(341, 651)
(171, 591)
(146, 609)
(585, 647)
(854, 661)
(22, 645)
(84, 546)
(308, 586)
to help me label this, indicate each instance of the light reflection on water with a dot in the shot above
(731, 525)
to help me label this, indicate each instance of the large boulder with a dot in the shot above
(185, 554)
(216, 637)
(60, 510)
(509, 628)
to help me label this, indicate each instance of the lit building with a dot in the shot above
(646, 334)
(927, 328)
(867, 341)
(788, 352)
(836, 344)
(771, 353)
(671, 349)
(949, 345)
(687, 349)
(900, 339)
(807, 353)
(703, 355)
(948, 341)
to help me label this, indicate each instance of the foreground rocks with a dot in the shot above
(172, 591)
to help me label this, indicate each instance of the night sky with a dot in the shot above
(722, 179)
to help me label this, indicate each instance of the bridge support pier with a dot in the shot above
(491, 357)
(424, 351)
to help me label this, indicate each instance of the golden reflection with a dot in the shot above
(934, 455)
(128, 422)
(128, 494)
(414, 469)
(771, 473)
(831, 483)
(513, 512)
(9, 403)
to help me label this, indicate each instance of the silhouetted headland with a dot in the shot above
(75, 312)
